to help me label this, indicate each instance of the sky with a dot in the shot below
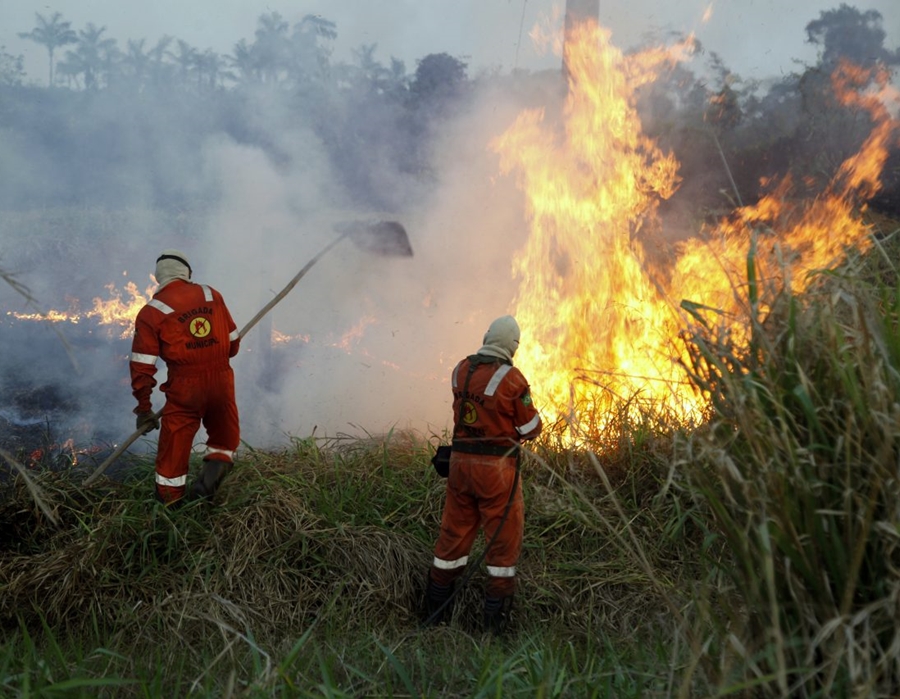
(757, 39)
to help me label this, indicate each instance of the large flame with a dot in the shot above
(598, 326)
(117, 312)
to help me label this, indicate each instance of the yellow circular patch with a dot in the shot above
(469, 414)
(200, 327)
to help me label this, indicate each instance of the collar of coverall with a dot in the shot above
(489, 354)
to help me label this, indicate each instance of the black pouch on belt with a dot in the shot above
(441, 460)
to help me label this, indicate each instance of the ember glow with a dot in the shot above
(65, 452)
(279, 338)
(353, 336)
(600, 326)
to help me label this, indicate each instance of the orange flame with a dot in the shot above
(66, 450)
(598, 327)
(354, 334)
(119, 310)
(280, 338)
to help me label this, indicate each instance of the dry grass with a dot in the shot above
(345, 526)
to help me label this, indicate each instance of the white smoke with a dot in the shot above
(374, 337)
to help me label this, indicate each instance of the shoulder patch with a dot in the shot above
(526, 399)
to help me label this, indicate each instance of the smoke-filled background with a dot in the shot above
(242, 133)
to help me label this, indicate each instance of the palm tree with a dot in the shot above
(92, 54)
(186, 58)
(52, 33)
(309, 57)
(270, 47)
(136, 61)
(157, 55)
(243, 58)
(209, 68)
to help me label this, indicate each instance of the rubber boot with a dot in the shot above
(496, 614)
(205, 487)
(438, 609)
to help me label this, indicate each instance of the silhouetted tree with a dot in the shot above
(11, 70)
(365, 73)
(136, 62)
(271, 47)
(309, 56)
(210, 67)
(185, 57)
(243, 59)
(831, 131)
(848, 33)
(398, 78)
(439, 76)
(93, 55)
(371, 76)
(51, 33)
(160, 72)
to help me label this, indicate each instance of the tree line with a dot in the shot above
(145, 104)
(279, 53)
(101, 98)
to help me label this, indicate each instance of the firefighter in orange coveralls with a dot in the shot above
(493, 414)
(189, 327)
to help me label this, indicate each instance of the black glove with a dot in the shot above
(441, 460)
(147, 422)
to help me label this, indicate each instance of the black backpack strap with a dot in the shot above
(469, 373)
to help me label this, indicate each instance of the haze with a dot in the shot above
(756, 38)
(250, 178)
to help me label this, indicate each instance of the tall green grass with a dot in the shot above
(797, 484)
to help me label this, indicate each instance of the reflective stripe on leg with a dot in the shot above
(180, 481)
(450, 565)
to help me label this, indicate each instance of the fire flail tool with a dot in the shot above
(384, 238)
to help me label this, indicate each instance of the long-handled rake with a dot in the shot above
(385, 238)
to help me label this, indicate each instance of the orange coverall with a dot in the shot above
(493, 417)
(189, 327)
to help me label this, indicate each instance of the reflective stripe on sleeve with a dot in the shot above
(234, 335)
(143, 358)
(496, 379)
(450, 565)
(453, 381)
(529, 426)
(213, 450)
(207, 294)
(497, 572)
(160, 306)
(172, 482)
